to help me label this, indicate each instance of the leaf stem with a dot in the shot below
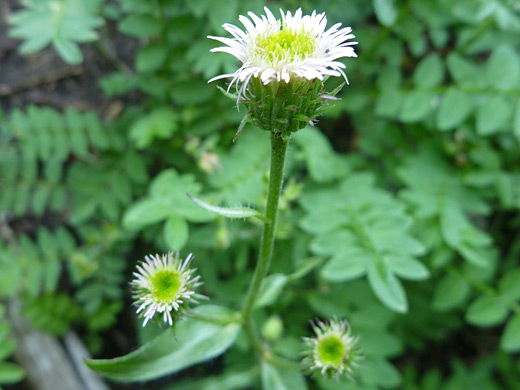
(279, 143)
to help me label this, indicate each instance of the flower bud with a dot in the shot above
(164, 284)
(332, 351)
(284, 65)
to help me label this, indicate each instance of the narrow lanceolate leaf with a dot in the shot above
(193, 342)
(228, 212)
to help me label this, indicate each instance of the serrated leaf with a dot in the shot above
(193, 342)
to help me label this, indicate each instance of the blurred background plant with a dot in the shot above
(400, 209)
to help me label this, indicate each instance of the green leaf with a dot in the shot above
(323, 163)
(346, 265)
(416, 106)
(494, 114)
(271, 289)
(229, 380)
(455, 107)
(239, 179)
(228, 212)
(60, 22)
(386, 12)
(429, 72)
(464, 72)
(68, 50)
(161, 123)
(363, 228)
(193, 342)
(510, 341)
(451, 292)
(10, 373)
(140, 26)
(151, 57)
(387, 287)
(222, 11)
(503, 68)
(516, 122)
(167, 197)
(509, 285)
(389, 102)
(487, 310)
(193, 91)
(146, 212)
(407, 267)
(176, 232)
(277, 378)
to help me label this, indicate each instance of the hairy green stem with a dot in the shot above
(279, 145)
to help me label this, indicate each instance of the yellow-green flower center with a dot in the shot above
(332, 350)
(166, 285)
(287, 44)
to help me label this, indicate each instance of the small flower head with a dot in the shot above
(332, 352)
(162, 284)
(283, 65)
(296, 46)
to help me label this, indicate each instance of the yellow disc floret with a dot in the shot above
(166, 285)
(287, 45)
(332, 350)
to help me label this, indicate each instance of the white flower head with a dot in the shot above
(332, 352)
(162, 284)
(296, 46)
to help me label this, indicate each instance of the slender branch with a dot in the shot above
(279, 145)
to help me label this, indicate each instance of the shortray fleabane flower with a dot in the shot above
(164, 284)
(284, 63)
(332, 352)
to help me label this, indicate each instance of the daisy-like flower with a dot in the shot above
(162, 284)
(295, 46)
(283, 65)
(332, 352)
